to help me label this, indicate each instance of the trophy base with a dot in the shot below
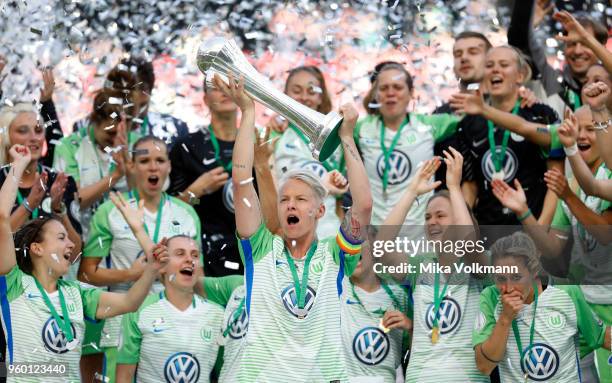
(330, 133)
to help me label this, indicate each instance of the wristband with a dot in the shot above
(571, 151)
(524, 216)
(487, 357)
(26, 205)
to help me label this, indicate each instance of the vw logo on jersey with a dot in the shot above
(400, 167)
(53, 337)
(238, 328)
(182, 367)
(510, 164)
(289, 299)
(449, 315)
(371, 346)
(315, 167)
(540, 362)
(228, 195)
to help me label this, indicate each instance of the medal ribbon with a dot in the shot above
(158, 218)
(515, 330)
(387, 151)
(20, 196)
(143, 127)
(575, 99)
(215, 143)
(438, 297)
(300, 288)
(64, 324)
(498, 159)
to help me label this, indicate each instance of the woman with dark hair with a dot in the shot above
(445, 299)
(306, 84)
(394, 142)
(42, 314)
(531, 331)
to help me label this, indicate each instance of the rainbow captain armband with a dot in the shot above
(350, 247)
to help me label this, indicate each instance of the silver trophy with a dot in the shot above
(222, 56)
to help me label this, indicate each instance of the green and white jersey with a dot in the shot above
(452, 358)
(32, 334)
(170, 345)
(234, 331)
(292, 152)
(565, 329)
(591, 262)
(279, 345)
(414, 146)
(111, 238)
(371, 354)
(78, 156)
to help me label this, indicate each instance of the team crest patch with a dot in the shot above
(556, 320)
(371, 346)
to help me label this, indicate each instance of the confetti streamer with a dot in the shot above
(231, 265)
(246, 202)
(247, 181)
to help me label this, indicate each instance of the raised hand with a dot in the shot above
(557, 182)
(335, 183)
(349, 120)
(20, 156)
(278, 124)
(568, 131)
(454, 165)
(159, 256)
(264, 147)
(542, 8)
(468, 103)
(421, 184)
(209, 182)
(528, 98)
(575, 31)
(596, 95)
(48, 85)
(38, 191)
(57, 190)
(235, 91)
(513, 199)
(133, 216)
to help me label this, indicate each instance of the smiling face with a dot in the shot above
(587, 138)
(151, 166)
(54, 251)
(26, 130)
(438, 217)
(306, 89)
(299, 208)
(521, 281)
(502, 74)
(469, 59)
(393, 93)
(579, 57)
(183, 263)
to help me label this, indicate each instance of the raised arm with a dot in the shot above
(474, 104)
(265, 181)
(135, 220)
(21, 158)
(247, 209)
(358, 217)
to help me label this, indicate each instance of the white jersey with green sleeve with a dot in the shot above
(591, 262)
(79, 157)
(371, 354)
(111, 239)
(33, 335)
(565, 329)
(229, 291)
(452, 358)
(290, 153)
(283, 341)
(415, 145)
(170, 345)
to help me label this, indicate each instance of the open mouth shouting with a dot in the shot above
(292, 220)
(187, 271)
(153, 181)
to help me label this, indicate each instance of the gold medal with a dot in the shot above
(435, 335)
(500, 175)
(526, 377)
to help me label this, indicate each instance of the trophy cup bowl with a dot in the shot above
(218, 55)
